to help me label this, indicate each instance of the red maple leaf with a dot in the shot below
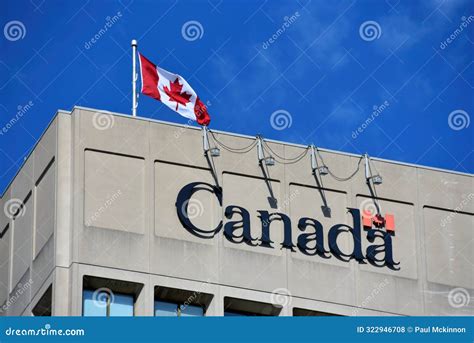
(175, 93)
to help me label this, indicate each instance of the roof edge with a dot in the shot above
(277, 141)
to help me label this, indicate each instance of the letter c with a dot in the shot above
(182, 203)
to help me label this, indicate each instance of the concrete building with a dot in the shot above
(133, 208)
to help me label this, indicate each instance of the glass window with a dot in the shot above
(232, 314)
(107, 304)
(122, 306)
(191, 311)
(165, 309)
(169, 309)
(239, 314)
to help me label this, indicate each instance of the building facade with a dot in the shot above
(116, 215)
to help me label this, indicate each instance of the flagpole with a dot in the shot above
(134, 77)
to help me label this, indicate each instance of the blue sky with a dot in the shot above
(320, 67)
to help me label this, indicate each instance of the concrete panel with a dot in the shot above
(331, 308)
(64, 202)
(253, 267)
(390, 294)
(178, 144)
(45, 194)
(399, 181)
(381, 288)
(442, 300)
(42, 266)
(246, 161)
(301, 171)
(114, 192)
(204, 209)
(327, 207)
(321, 281)
(254, 194)
(23, 183)
(403, 241)
(113, 229)
(20, 296)
(45, 150)
(446, 190)
(313, 276)
(191, 256)
(5, 243)
(104, 131)
(449, 244)
(22, 241)
(62, 292)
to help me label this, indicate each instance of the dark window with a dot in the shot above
(44, 305)
(242, 307)
(297, 312)
(174, 302)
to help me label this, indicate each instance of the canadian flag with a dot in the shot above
(173, 91)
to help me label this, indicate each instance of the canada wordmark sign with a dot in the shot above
(311, 240)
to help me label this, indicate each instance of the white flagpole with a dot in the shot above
(134, 77)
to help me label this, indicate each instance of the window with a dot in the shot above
(240, 314)
(103, 297)
(173, 302)
(168, 309)
(44, 306)
(103, 302)
(297, 312)
(241, 307)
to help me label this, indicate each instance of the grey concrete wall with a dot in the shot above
(116, 186)
(27, 244)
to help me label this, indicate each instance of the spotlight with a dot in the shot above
(215, 152)
(377, 179)
(269, 161)
(323, 170)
